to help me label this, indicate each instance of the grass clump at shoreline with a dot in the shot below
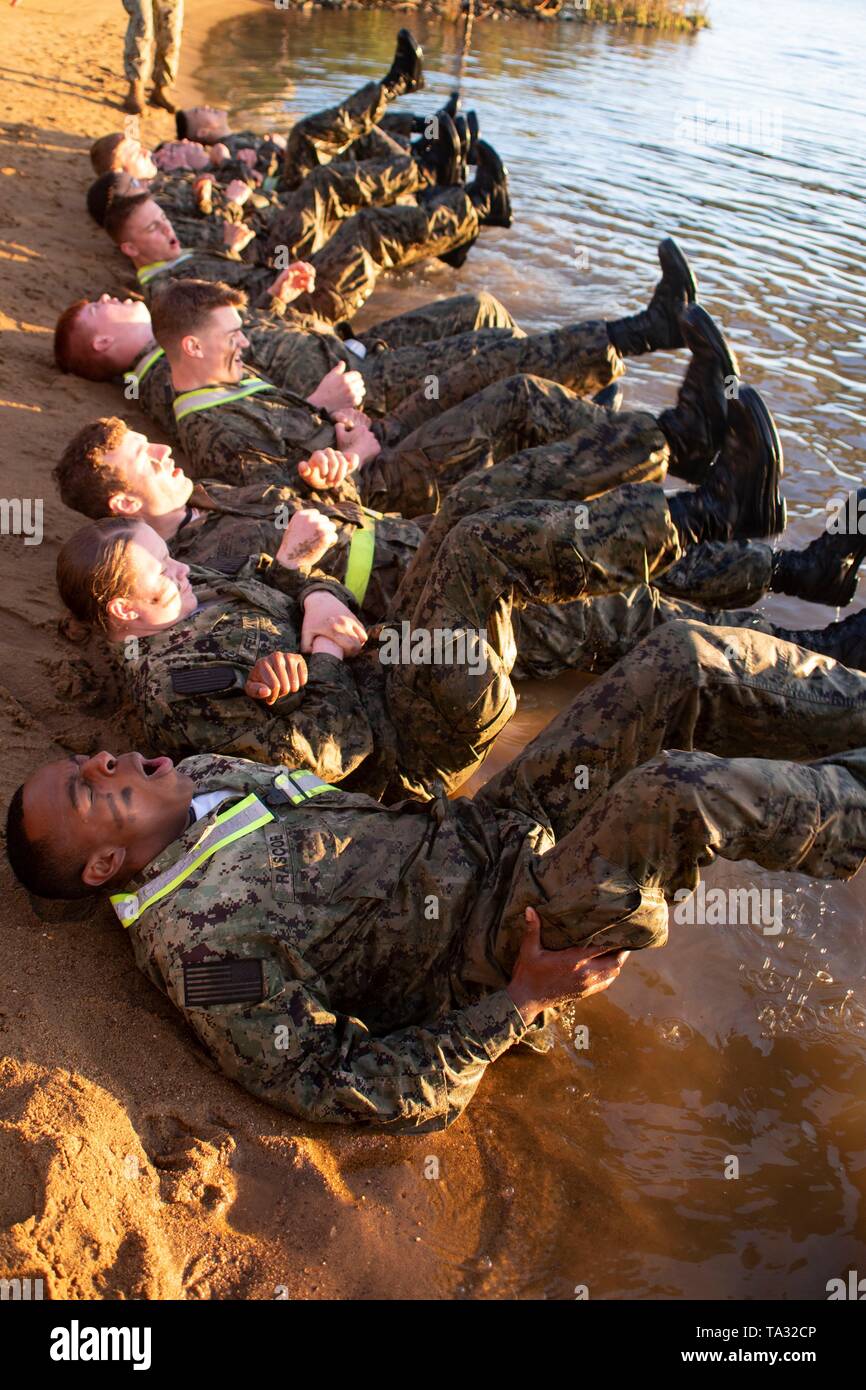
(685, 16)
(644, 14)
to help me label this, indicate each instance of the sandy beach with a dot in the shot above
(131, 1168)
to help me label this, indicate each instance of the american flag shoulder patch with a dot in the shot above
(223, 982)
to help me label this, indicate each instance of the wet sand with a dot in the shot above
(133, 1169)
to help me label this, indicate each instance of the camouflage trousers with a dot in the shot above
(152, 40)
(348, 267)
(318, 139)
(311, 214)
(633, 822)
(412, 472)
(605, 452)
(592, 634)
(448, 371)
(441, 318)
(448, 658)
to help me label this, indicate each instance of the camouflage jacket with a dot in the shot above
(198, 223)
(192, 264)
(254, 438)
(335, 726)
(295, 350)
(148, 382)
(233, 523)
(319, 957)
(289, 347)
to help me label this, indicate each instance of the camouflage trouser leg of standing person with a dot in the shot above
(450, 698)
(311, 214)
(152, 41)
(324, 136)
(377, 239)
(632, 823)
(592, 634)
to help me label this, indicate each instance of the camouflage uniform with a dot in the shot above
(196, 224)
(323, 137)
(346, 962)
(303, 220)
(255, 432)
(228, 525)
(297, 350)
(390, 725)
(297, 223)
(348, 266)
(152, 40)
(579, 356)
(609, 450)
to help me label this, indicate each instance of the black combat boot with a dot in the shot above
(741, 497)
(457, 257)
(406, 73)
(845, 641)
(610, 397)
(695, 428)
(658, 327)
(442, 156)
(473, 128)
(489, 189)
(826, 571)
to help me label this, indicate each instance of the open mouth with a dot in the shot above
(156, 767)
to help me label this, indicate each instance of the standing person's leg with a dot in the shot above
(138, 51)
(169, 32)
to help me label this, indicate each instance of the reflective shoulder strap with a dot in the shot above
(208, 397)
(359, 566)
(240, 819)
(146, 273)
(141, 368)
(299, 785)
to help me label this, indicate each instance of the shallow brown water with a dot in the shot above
(728, 1042)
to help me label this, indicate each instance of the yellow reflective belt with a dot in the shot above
(141, 369)
(207, 397)
(359, 565)
(238, 820)
(146, 273)
(301, 785)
